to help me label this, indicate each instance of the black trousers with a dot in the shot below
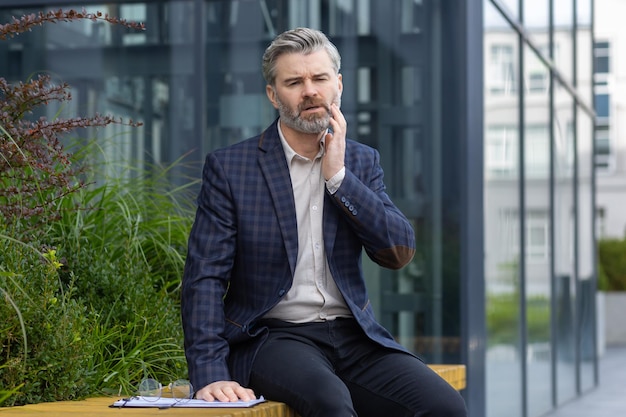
(332, 369)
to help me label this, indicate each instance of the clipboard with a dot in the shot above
(163, 402)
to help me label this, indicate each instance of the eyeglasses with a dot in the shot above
(152, 390)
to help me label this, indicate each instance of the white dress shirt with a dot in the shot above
(313, 296)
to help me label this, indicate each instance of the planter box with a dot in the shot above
(614, 314)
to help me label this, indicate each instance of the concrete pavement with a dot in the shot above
(609, 398)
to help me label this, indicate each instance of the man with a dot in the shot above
(273, 300)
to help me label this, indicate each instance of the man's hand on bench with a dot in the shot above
(225, 391)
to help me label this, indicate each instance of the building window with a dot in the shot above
(501, 151)
(537, 236)
(537, 233)
(602, 102)
(537, 75)
(601, 57)
(537, 151)
(604, 152)
(501, 79)
(538, 81)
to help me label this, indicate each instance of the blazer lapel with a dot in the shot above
(276, 173)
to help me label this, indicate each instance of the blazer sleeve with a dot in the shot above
(384, 231)
(210, 257)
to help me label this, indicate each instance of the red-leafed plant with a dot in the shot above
(35, 169)
(85, 306)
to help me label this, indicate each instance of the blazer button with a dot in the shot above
(343, 199)
(281, 293)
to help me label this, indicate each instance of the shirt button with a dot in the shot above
(314, 207)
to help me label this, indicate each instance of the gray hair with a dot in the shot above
(298, 40)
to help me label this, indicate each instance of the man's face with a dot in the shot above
(305, 87)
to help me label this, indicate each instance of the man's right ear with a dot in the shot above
(271, 95)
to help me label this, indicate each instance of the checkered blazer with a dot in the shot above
(243, 247)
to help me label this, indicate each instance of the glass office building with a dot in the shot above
(482, 113)
(538, 204)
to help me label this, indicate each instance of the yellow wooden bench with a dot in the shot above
(454, 374)
(99, 407)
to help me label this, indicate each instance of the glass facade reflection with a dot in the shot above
(502, 205)
(537, 224)
(586, 202)
(545, 182)
(480, 112)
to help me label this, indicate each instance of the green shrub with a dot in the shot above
(100, 300)
(47, 362)
(133, 235)
(612, 264)
(127, 251)
(503, 322)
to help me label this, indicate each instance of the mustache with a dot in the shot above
(312, 103)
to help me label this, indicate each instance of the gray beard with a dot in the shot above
(313, 125)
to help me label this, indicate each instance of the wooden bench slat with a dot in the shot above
(99, 407)
(454, 374)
